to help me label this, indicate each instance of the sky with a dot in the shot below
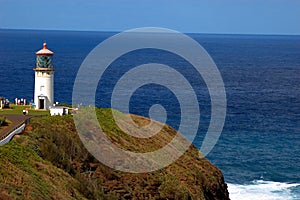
(188, 16)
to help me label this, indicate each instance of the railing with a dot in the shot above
(12, 134)
(18, 129)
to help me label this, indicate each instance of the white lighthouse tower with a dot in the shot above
(44, 78)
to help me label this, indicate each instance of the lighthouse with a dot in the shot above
(44, 78)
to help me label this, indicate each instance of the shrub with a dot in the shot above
(3, 121)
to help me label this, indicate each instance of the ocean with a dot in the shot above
(259, 148)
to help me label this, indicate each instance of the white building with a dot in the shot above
(59, 110)
(44, 78)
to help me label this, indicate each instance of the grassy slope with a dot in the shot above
(49, 162)
(25, 175)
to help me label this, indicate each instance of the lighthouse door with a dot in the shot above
(41, 103)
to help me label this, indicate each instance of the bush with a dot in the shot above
(3, 120)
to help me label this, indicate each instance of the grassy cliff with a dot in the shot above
(48, 161)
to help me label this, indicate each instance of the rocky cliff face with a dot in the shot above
(51, 162)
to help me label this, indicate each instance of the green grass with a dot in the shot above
(25, 175)
(15, 109)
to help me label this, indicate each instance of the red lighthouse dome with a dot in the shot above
(44, 51)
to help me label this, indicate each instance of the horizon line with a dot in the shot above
(118, 31)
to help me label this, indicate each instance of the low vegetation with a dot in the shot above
(16, 109)
(48, 161)
(4, 121)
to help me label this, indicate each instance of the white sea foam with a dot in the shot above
(263, 190)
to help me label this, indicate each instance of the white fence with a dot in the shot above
(12, 134)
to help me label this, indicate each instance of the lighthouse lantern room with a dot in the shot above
(44, 78)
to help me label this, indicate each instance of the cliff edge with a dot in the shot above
(49, 161)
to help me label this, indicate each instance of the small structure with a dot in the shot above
(20, 101)
(44, 78)
(4, 103)
(1, 102)
(59, 110)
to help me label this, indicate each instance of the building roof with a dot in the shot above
(58, 107)
(44, 51)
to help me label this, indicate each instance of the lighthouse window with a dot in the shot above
(43, 61)
(42, 88)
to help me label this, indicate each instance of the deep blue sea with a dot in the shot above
(259, 148)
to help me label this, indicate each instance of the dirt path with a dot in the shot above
(17, 120)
